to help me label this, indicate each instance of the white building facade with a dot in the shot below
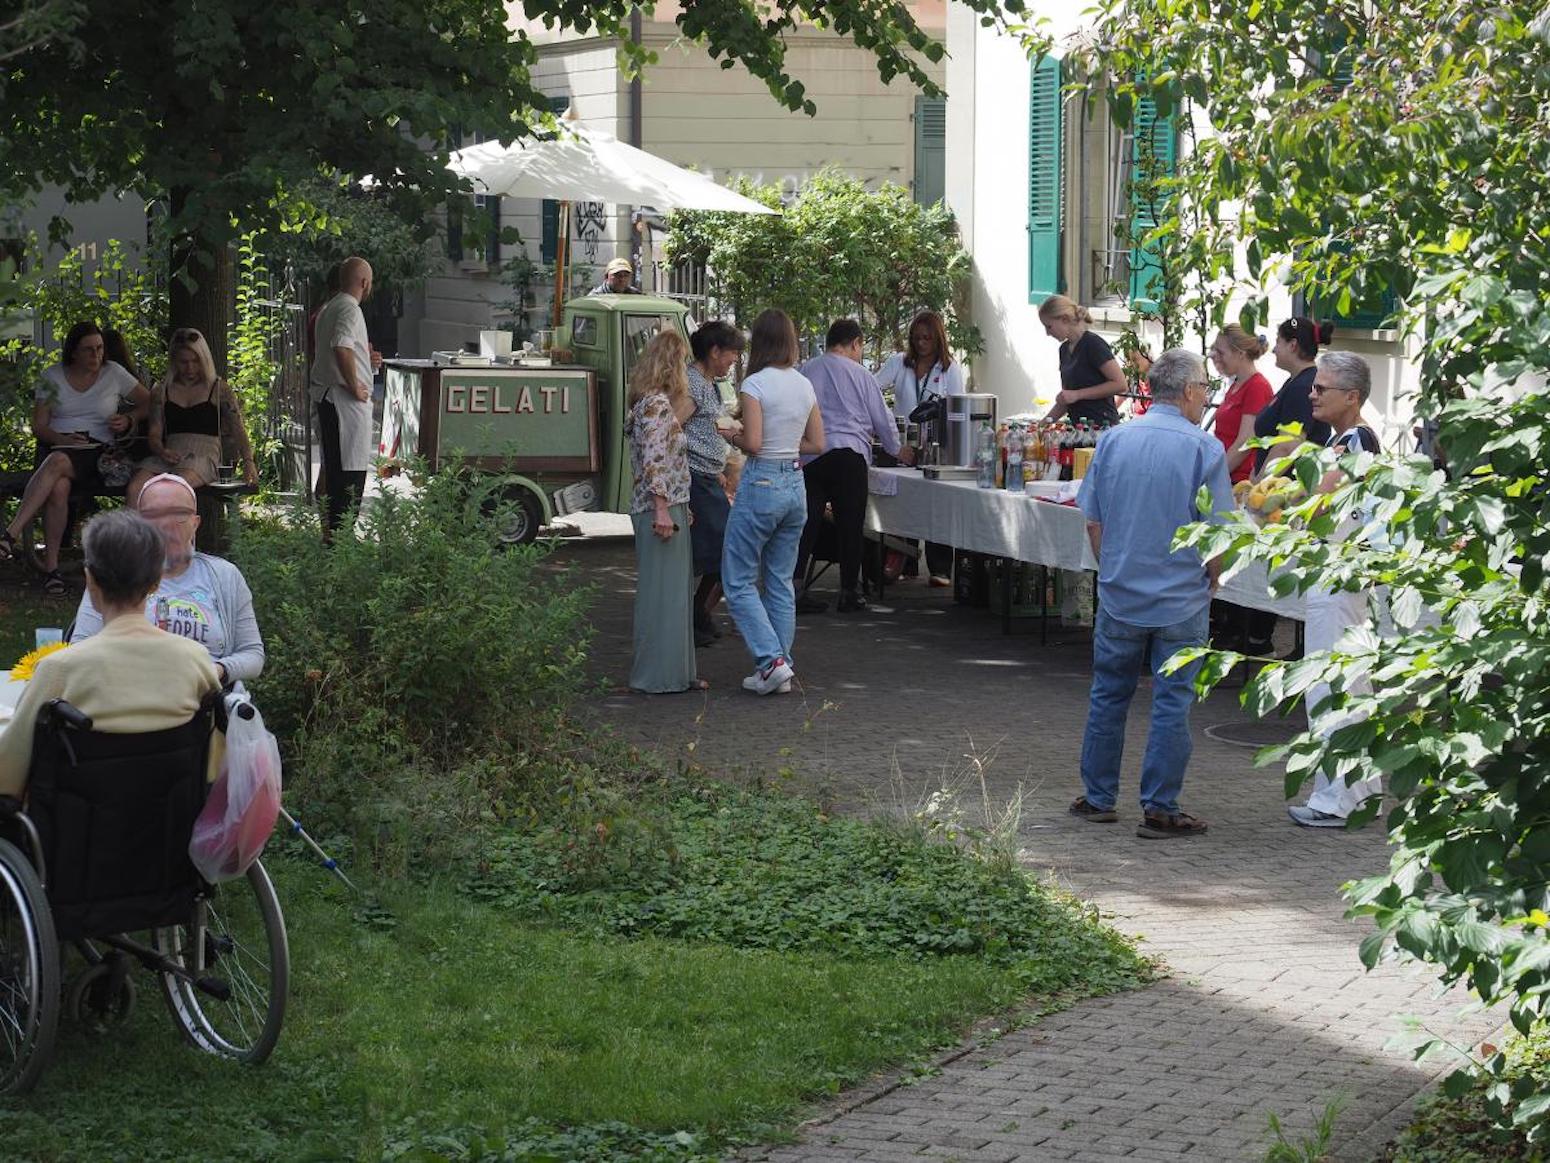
(1039, 187)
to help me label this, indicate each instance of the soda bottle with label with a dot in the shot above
(986, 454)
(1030, 457)
(1014, 462)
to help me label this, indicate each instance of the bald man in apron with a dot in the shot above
(340, 387)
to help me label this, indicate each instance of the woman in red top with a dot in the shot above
(1234, 353)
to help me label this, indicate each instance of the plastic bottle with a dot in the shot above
(986, 454)
(1001, 456)
(1030, 457)
(1014, 462)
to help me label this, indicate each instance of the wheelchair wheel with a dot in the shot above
(234, 945)
(29, 974)
(95, 1001)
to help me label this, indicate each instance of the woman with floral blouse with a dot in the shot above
(659, 509)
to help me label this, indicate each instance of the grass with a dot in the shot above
(23, 610)
(432, 1013)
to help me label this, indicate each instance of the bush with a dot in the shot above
(412, 668)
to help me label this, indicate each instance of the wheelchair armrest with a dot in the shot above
(10, 807)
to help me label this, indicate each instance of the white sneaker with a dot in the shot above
(773, 679)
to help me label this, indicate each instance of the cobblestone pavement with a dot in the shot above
(1267, 1009)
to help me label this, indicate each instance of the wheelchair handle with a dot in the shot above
(69, 716)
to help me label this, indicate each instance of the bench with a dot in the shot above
(215, 502)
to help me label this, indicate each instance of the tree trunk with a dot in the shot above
(202, 290)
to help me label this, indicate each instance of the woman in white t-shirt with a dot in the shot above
(81, 405)
(780, 423)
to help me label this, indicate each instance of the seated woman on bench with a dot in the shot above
(193, 413)
(131, 677)
(199, 596)
(82, 403)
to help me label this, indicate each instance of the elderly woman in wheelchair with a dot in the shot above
(111, 746)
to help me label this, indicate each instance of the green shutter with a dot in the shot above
(1044, 174)
(1375, 311)
(930, 150)
(1153, 148)
(549, 211)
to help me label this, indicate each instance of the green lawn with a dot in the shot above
(438, 1013)
(24, 607)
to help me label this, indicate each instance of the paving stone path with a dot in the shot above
(1266, 1008)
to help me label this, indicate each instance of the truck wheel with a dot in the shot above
(515, 512)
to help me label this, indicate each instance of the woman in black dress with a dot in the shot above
(1090, 376)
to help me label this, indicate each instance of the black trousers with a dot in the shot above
(838, 478)
(343, 489)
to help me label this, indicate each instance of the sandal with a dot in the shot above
(8, 546)
(1165, 827)
(54, 584)
(1092, 813)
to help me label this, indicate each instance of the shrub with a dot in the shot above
(412, 666)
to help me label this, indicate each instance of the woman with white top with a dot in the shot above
(1341, 385)
(82, 404)
(780, 422)
(926, 371)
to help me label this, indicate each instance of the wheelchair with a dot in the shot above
(97, 860)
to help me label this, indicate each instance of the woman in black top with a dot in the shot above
(1296, 348)
(194, 413)
(1090, 376)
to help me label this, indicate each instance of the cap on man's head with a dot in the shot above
(618, 266)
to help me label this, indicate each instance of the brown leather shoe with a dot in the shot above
(1163, 827)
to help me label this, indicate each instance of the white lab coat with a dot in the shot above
(897, 374)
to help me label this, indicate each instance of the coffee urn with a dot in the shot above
(965, 415)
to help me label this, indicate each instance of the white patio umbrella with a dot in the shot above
(589, 165)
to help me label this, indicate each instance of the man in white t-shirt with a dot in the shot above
(340, 386)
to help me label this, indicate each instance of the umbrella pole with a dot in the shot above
(561, 266)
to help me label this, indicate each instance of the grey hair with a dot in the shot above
(1350, 369)
(1172, 372)
(124, 553)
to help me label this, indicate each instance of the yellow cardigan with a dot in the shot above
(130, 677)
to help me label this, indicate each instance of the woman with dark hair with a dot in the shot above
(1296, 349)
(116, 348)
(715, 347)
(81, 404)
(780, 423)
(132, 677)
(925, 369)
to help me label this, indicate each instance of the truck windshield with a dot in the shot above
(638, 330)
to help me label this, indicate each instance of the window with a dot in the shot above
(930, 150)
(583, 331)
(490, 205)
(639, 330)
(1084, 217)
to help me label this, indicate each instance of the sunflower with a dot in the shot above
(28, 662)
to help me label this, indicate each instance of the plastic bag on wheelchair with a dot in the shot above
(244, 802)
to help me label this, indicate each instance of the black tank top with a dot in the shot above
(201, 419)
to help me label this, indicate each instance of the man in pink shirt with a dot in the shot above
(851, 404)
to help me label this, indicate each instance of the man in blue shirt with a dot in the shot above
(1153, 600)
(851, 404)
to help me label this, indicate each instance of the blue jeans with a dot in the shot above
(762, 538)
(1120, 650)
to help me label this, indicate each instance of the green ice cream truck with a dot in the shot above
(547, 440)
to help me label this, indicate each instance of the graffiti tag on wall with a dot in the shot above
(590, 222)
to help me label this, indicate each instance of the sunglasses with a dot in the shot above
(1320, 389)
(185, 334)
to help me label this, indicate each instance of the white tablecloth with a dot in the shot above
(993, 521)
